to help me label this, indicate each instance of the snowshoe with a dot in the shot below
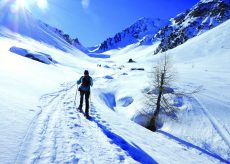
(87, 116)
(79, 110)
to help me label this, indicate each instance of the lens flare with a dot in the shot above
(42, 4)
(21, 3)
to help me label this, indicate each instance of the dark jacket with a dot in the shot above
(84, 88)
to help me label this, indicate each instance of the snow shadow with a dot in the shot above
(109, 100)
(108, 77)
(37, 56)
(98, 55)
(125, 101)
(190, 145)
(179, 101)
(132, 149)
(106, 66)
(156, 91)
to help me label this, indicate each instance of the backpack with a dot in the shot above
(85, 81)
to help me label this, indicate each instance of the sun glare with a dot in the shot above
(21, 3)
(42, 4)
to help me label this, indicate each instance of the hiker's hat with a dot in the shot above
(86, 72)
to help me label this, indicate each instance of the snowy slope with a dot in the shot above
(202, 61)
(21, 21)
(141, 31)
(202, 17)
(23, 82)
(40, 124)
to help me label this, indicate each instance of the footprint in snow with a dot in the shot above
(73, 118)
(76, 125)
(108, 77)
(75, 160)
(98, 116)
(76, 146)
(69, 108)
(121, 157)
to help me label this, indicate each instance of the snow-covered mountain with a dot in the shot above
(74, 42)
(141, 30)
(21, 21)
(40, 124)
(203, 118)
(204, 16)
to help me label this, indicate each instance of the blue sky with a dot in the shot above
(92, 21)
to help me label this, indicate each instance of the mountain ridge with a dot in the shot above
(143, 28)
(25, 24)
(203, 16)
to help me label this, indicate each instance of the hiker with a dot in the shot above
(86, 81)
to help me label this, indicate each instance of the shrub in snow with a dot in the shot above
(139, 69)
(165, 90)
(161, 98)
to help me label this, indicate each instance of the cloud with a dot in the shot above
(85, 3)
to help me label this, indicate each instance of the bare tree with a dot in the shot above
(162, 77)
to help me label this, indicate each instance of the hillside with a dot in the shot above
(202, 17)
(140, 31)
(40, 122)
(201, 61)
(21, 22)
(38, 100)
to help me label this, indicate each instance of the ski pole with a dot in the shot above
(75, 97)
(90, 97)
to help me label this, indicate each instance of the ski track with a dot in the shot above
(201, 118)
(59, 134)
(219, 128)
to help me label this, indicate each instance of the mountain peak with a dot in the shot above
(203, 16)
(141, 29)
(25, 24)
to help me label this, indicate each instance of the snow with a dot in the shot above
(204, 118)
(22, 22)
(208, 67)
(140, 32)
(38, 56)
(39, 122)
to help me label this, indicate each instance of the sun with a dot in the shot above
(21, 3)
(42, 4)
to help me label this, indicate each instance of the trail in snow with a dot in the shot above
(222, 131)
(190, 145)
(196, 125)
(59, 134)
